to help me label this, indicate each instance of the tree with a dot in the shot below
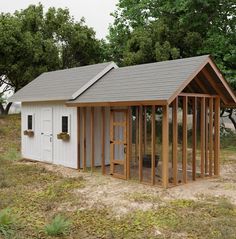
(32, 42)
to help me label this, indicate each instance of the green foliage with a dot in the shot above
(6, 222)
(148, 31)
(59, 226)
(33, 41)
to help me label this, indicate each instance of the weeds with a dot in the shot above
(59, 226)
(6, 222)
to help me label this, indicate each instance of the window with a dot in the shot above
(30, 122)
(65, 124)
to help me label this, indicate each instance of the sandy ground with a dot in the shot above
(119, 195)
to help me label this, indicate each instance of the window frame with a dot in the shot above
(32, 122)
(68, 123)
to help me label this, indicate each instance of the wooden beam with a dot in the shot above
(211, 103)
(194, 138)
(217, 138)
(136, 134)
(103, 139)
(92, 137)
(185, 138)
(84, 138)
(201, 85)
(202, 136)
(197, 95)
(153, 134)
(129, 137)
(165, 147)
(145, 129)
(175, 140)
(78, 138)
(140, 143)
(207, 136)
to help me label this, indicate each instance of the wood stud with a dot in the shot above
(153, 136)
(175, 140)
(185, 139)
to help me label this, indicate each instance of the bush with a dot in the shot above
(58, 226)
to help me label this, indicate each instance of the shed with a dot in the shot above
(158, 123)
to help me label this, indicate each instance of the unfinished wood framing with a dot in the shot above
(145, 129)
(153, 136)
(194, 137)
(203, 136)
(211, 103)
(185, 138)
(206, 135)
(136, 135)
(78, 138)
(165, 146)
(140, 143)
(175, 140)
(217, 137)
(103, 132)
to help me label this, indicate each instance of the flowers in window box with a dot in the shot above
(63, 136)
(29, 133)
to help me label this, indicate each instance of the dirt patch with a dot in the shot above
(121, 196)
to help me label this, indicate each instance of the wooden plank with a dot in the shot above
(153, 134)
(103, 139)
(210, 135)
(129, 158)
(140, 143)
(165, 147)
(136, 134)
(121, 103)
(145, 130)
(175, 140)
(111, 142)
(207, 136)
(185, 138)
(202, 136)
(92, 137)
(194, 138)
(201, 85)
(78, 138)
(84, 138)
(198, 95)
(126, 142)
(217, 138)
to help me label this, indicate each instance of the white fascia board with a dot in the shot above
(94, 79)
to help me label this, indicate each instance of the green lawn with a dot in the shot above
(37, 203)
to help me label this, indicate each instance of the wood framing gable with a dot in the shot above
(207, 79)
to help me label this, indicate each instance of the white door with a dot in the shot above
(46, 135)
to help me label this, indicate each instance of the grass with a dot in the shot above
(37, 203)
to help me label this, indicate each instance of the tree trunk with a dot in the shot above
(6, 110)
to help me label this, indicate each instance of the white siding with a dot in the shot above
(64, 153)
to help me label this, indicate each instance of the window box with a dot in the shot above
(63, 136)
(29, 133)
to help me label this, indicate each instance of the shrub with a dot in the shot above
(58, 226)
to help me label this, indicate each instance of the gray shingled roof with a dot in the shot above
(155, 81)
(58, 85)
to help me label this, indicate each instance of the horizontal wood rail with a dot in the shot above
(198, 95)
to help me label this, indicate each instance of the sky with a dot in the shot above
(96, 12)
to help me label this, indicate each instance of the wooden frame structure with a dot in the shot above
(165, 143)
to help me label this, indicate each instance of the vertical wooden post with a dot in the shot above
(175, 140)
(165, 146)
(210, 134)
(84, 138)
(217, 137)
(78, 138)
(153, 144)
(103, 139)
(145, 130)
(194, 138)
(140, 143)
(207, 136)
(129, 137)
(111, 142)
(92, 137)
(202, 136)
(185, 138)
(136, 135)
